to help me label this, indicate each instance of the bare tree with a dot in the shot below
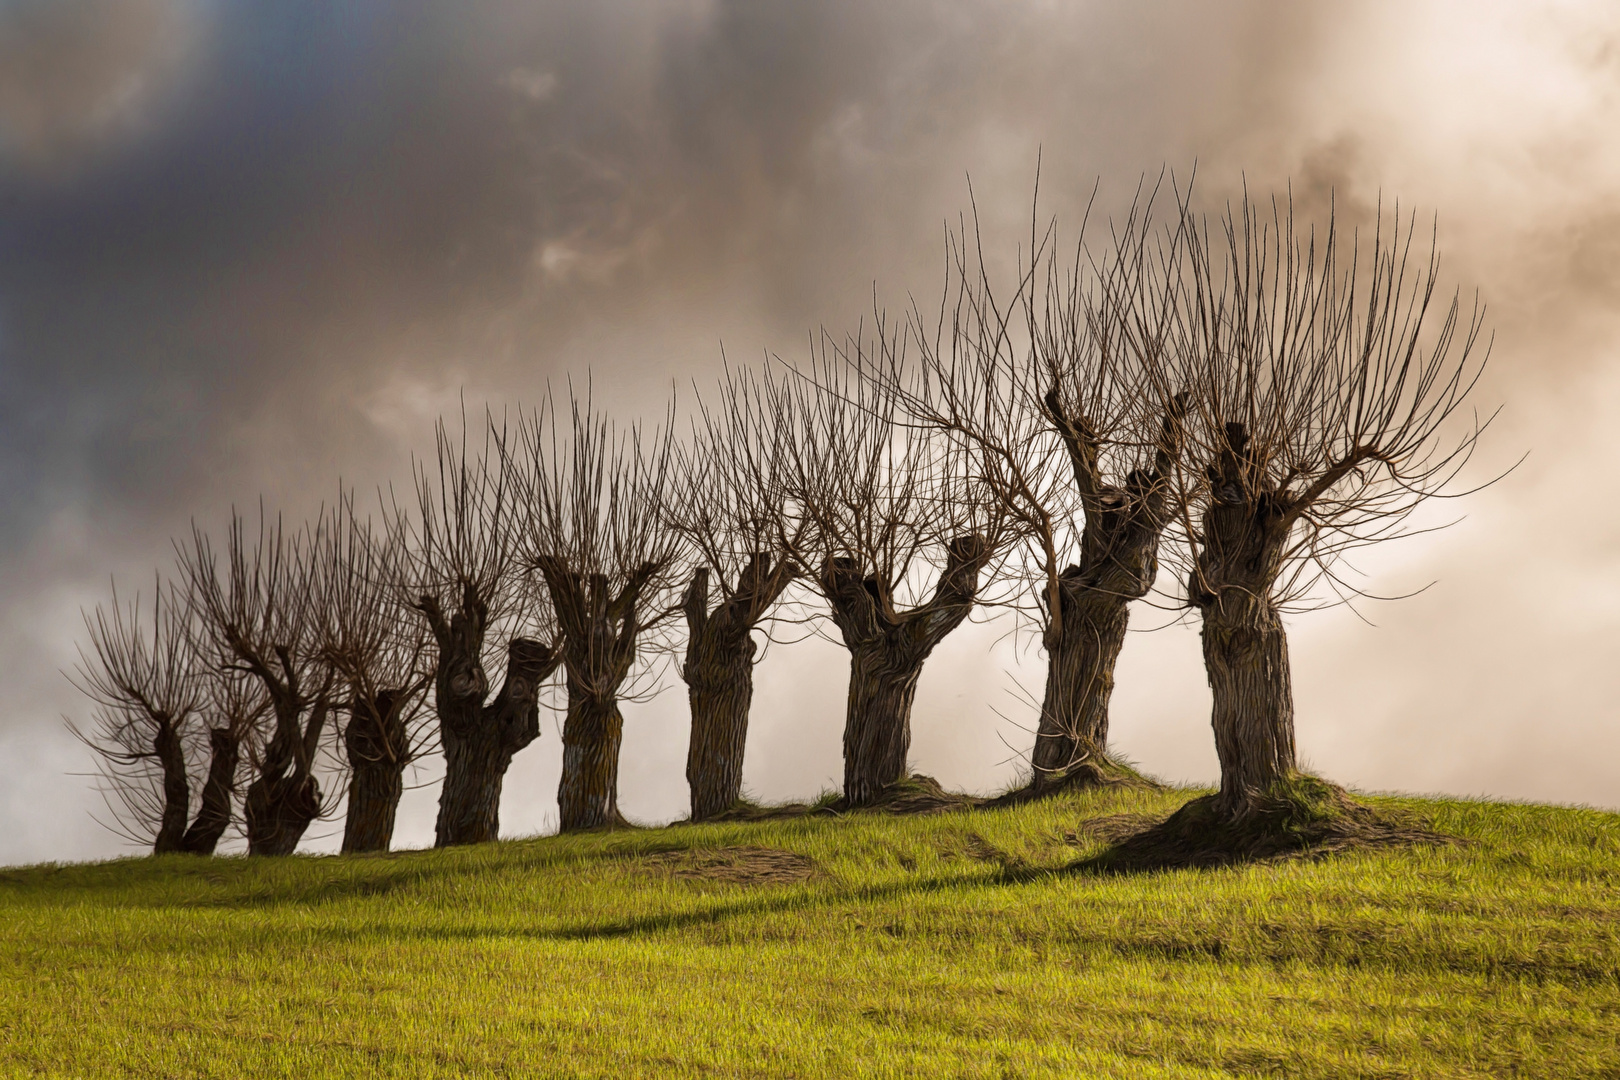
(377, 647)
(879, 506)
(259, 618)
(167, 715)
(147, 683)
(460, 569)
(729, 479)
(1324, 388)
(595, 530)
(1065, 370)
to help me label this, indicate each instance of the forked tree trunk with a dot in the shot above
(877, 726)
(478, 754)
(286, 797)
(1119, 561)
(214, 815)
(588, 796)
(176, 789)
(1246, 657)
(719, 674)
(887, 650)
(598, 647)
(720, 687)
(1073, 727)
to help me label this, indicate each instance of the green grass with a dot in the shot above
(960, 944)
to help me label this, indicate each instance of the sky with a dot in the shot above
(248, 250)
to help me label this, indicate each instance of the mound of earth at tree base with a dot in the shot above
(1087, 775)
(1304, 817)
(910, 795)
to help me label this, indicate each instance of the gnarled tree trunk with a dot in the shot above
(279, 809)
(720, 687)
(1080, 660)
(171, 757)
(1245, 647)
(598, 646)
(477, 754)
(374, 793)
(214, 815)
(378, 749)
(286, 797)
(1119, 561)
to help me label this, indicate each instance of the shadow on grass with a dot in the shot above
(789, 898)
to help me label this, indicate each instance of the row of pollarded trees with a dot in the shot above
(1246, 401)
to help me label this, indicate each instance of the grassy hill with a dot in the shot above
(971, 943)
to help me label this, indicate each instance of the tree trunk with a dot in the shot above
(877, 727)
(214, 816)
(588, 796)
(470, 800)
(598, 646)
(1079, 682)
(176, 789)
(719, 674)
(720, 683)
(378, 748)
(477, 756)
(1246, 657)
(887, 650)
(278, 809)
(374, 791)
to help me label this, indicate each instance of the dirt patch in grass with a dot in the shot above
(734, 865)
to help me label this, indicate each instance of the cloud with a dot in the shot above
(78, 78)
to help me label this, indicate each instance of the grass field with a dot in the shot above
(971, 943)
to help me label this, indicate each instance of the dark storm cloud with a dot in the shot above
(245, 248)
